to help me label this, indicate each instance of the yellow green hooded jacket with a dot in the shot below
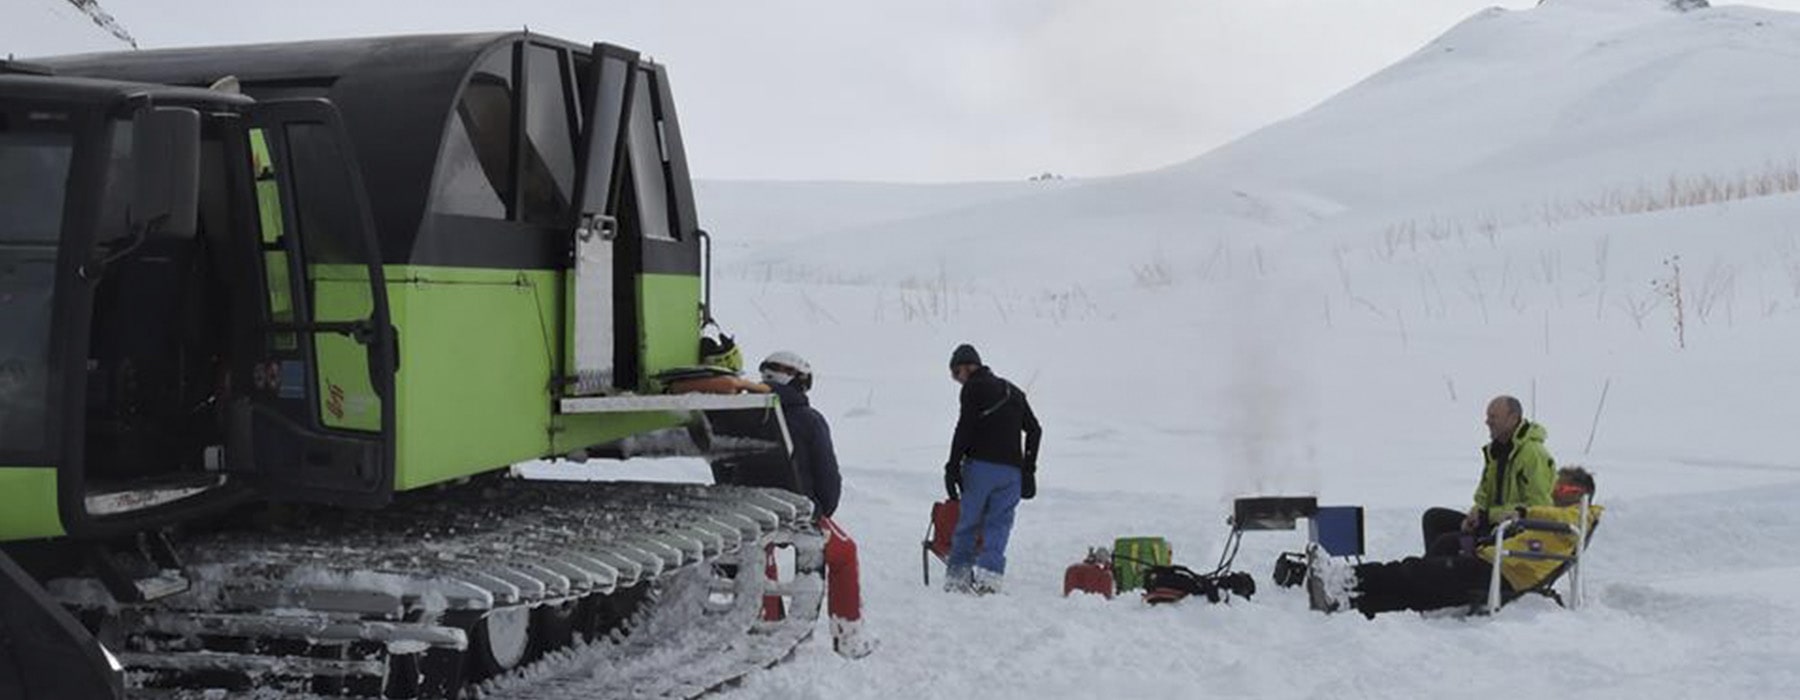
(1522, 478)
(1523, 574)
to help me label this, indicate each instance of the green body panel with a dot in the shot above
(347, 399)
(669, 317)
(473, 381)
(28, 503)
(473, 389)
(477, 348)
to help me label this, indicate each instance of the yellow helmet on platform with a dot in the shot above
(721, 352)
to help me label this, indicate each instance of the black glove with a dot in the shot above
(1028, 486)
(952, 480)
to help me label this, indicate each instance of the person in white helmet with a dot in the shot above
(790, 377)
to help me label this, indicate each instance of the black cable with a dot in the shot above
(1228, 554)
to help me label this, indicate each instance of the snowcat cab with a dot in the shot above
(112, 372)
(99, 186)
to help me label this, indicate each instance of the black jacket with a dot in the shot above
(814, 458)
(994, 412)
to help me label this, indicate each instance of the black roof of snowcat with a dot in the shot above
(396, 94)
(425, 58)
(107, 93)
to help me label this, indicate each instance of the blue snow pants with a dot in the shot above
(990, 494)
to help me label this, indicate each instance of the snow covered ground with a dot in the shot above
(1325, 307)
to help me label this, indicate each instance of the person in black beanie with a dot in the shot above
(989, 471)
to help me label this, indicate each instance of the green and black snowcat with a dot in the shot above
(275, 323)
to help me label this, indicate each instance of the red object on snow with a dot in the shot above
(943, 525)
(773, 607)
(843, 584)
(937, 535)
(1094, 575)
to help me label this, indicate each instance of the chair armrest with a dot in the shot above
(1513, 526)
(1540, 556)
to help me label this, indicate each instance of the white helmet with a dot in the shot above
(787, 367)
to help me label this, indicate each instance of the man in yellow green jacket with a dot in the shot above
(1517, 471)
(1458, 580)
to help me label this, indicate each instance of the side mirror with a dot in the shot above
(165, 155)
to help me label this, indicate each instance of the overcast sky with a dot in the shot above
(918, 90)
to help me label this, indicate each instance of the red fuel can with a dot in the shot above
(1089, 577)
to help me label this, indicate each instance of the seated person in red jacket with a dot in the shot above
(1457, 580)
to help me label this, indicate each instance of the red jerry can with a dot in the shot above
(938, 535)
(943, 525)
(1094, 575)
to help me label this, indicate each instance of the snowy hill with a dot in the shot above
(1505, 116)
(1589, 204)
(1574, 97)
(765, 213)
(48, 27)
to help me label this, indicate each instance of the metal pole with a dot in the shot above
(1499, 559)
(1597, 409)
(1577, 589)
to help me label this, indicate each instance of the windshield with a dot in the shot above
(34, 172)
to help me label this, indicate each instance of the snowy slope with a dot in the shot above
(1506, 116)
(48, 27)
(758, 214)
(1325, 307)
(767, 212)
(1572, 98)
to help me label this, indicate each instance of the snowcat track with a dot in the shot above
(707, 634)
(481, 590)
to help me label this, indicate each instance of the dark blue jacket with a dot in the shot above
(814, 458)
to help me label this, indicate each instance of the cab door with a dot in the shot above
(663, 263)
(595, 362)
(316, 420)
(636, 286)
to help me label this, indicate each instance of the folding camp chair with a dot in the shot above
(1499, 595)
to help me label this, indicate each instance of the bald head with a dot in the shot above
(1504, 414)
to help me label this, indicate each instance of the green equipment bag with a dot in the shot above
(1131, 556)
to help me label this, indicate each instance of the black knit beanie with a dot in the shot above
(965, 355)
